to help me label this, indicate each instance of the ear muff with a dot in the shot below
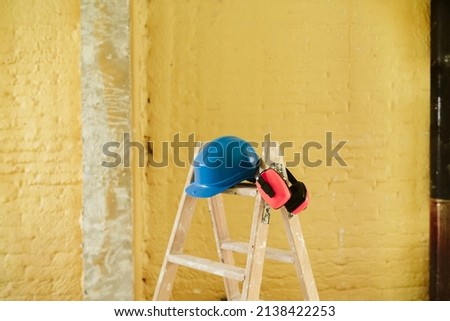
(273, 188)
(275, 191)
(299, 199)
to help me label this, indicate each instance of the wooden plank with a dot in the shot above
(271, 253)
(256, 253)
(209, 266)
(300, 254)
(257, 243)
(221, 233)
(297, 244)
(243, 189)
(177, 239)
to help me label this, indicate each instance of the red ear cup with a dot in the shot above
(299, 199)
(273, 188)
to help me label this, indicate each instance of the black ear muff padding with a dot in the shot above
(298, 196)
(266, 187)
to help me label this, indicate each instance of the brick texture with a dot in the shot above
(40, 151)
(299, 69)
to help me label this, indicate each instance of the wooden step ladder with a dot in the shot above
(256, 249)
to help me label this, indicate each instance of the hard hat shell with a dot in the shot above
(221, 164)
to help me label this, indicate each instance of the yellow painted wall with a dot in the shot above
(299, 69)
(296, 69)
(40, 150)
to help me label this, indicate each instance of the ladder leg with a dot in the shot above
(256, 253)
(177, 239)
(300, 255)
(221, 234)
(297, 244)
(176, 243)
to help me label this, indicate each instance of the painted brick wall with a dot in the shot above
(296, 69)
(299, 69)
(40, 150)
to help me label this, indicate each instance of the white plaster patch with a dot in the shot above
(107, 211)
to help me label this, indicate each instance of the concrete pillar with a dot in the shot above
(106, 117)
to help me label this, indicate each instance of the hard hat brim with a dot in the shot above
(203, 191)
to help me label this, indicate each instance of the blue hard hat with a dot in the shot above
(221, 164)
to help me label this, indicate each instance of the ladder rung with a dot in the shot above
(243, 189)
(271, 253)
(205, 265)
